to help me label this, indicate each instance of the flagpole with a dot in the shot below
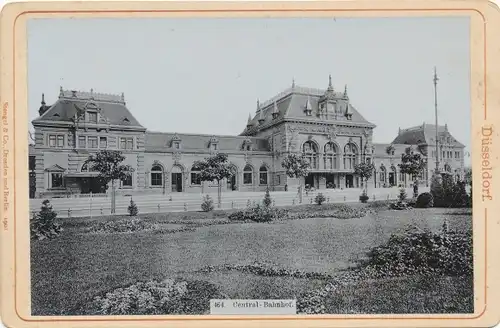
(436, 79)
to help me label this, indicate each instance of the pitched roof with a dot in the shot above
(159, 141)
(426, 134)
(112, 107)
(292, 102)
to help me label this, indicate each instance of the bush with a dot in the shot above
(132, 208)
(447, 193)
(402, 195)
(319, 199)
(121, 226)
(363, 198)
(208, 204)
(399, 205)
(258, 213)
(153, 297)
(422, 252)
(44, 223)
(424, 200)
(267, 199)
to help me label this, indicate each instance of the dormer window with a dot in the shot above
(176, 142)
(92, 117)
(247, 145)
(214, 144)
(126, 120)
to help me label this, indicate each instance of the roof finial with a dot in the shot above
(61, 91)
(293, 83)
(91, 93)
(446, 127)
(330, 81)
(43, 99)
(399, 131)
(123, 96)
(249, 119)
(258, 105)
(345, 92)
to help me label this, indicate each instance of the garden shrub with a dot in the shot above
(319, 199)
(44, 223)
(258, 213)
(132, 208)
(157, 297)
(424, 200)
(422, 252)
(208, 204)
(267, 199)
(402, 195)
(363, 198)
(447, 193)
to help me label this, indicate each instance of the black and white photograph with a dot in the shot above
(250, 165)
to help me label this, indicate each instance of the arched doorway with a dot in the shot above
(349, 181)
(177, 181)
(392, 176)
(231, 182)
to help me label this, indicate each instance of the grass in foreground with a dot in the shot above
(75, 267)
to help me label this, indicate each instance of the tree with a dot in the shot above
(43, 224)
(365, 171)
(412, 164)
(215, 168)
(108, 164)
(132, 208)
(296, 166)
(267, 199)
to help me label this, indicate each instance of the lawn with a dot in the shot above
(70, 270)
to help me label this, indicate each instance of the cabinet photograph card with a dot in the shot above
(255, 164)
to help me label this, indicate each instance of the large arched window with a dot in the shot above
(157, 175)
(248, 175)
(331, 156)
(310, 151)
(383, 174)
(350, 156)
(195, 175)
(263, 175)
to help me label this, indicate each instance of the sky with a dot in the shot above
(204, 75)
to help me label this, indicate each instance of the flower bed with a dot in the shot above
(262, 269)
(156, 297)
(132, 226)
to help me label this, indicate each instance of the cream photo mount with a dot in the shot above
(484, 82)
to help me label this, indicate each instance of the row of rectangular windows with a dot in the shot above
(157, 181)
(91, 142)
(447, 154)
(56, 181)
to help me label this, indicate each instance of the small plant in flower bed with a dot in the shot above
(208, 204)
(319, 199)
(363, 198)
(156, 297)
(422, 252)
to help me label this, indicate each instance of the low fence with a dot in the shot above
(96, 208)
